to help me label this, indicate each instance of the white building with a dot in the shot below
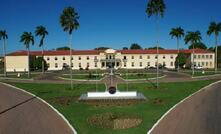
(102, 59)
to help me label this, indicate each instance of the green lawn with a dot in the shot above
(140, 76)
(77, 113)
(84, 76)
(199, 72)
(22, 75)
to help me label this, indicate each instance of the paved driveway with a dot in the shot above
(200, 114)
(21, 113)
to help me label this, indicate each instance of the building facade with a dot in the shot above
(110, 58)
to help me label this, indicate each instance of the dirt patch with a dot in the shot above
(112, 102)
(66, 100)
(114, 121)
(158, 101)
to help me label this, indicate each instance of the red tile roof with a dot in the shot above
(97, 52)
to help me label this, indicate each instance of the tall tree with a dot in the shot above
(156, 8)
(27, 38)
(199, 45)
(192, 38)
(135, 46)
(177, 33)
(4, 36)
(41, 32)
(69, 22)
(215, 28)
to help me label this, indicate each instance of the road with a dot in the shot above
(200, 114)
(21, 113)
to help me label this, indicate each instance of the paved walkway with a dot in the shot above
(200, 114)
(20, 113)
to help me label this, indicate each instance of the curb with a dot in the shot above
(212, 75)
(55, 110)
(144, 79)
(79, 79)
(162, 117)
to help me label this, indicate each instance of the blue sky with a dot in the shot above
(111, 23)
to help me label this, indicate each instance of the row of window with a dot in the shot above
(72, 65)
(79, 58)
(148, 57)
(148, 64)
(203, 63)
(203, 56)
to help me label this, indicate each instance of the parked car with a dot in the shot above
(198, 67)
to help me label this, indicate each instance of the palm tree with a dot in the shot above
(156, 8)
(69, 22)
(42, 32)
(215, 28)
(193, 38)
(27, 38)
(178, 33)
(4, 36)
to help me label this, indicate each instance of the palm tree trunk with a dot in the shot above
(193, 68)
(216, 57)
(42, 62)
(157, 32)
(70, 39)
(28, 63)
(178, 51)
(4, 49)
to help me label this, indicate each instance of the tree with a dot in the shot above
(4, 36)
(27, 38)
(215, 28)
(36, 63)
(150, 48)
(181, 60)
(135, 46)
(42, 32)
(69, 22)
(193, 38)
(125, 48)
(63, 48)
(199, 45)
(218, 54)
(101, 48)
(178, 33)
(156, 8)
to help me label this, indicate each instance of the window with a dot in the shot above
(210, 63)
(171, 63)
(155, 63)
(95, 65)
(206, 63)
(56, 65)
(79, 58)
(148, 63)
(72, 58)
(64, 64)
(207, 56)
(194, 56)
(72, 64)
(156, 57)
(203, 64)
(95, 57)
(48, 58)
(203, 56)
(164, 57)
(125, 64)
(171, 57)
(164, 63)
(55, 58)
(199, 57)
(148, 57)
(140, 56)
(102, 64)
(79, 65)
(48, 65)
(132, 57)
(140, 64)
(63, 58)
(88, 65)
(132, 64)
(88, 58)
(211, 56)
(125, 57)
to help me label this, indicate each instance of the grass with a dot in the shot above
(84, 76)
(140, 76)
(78, 113)
(199, 72)
(22, 75)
